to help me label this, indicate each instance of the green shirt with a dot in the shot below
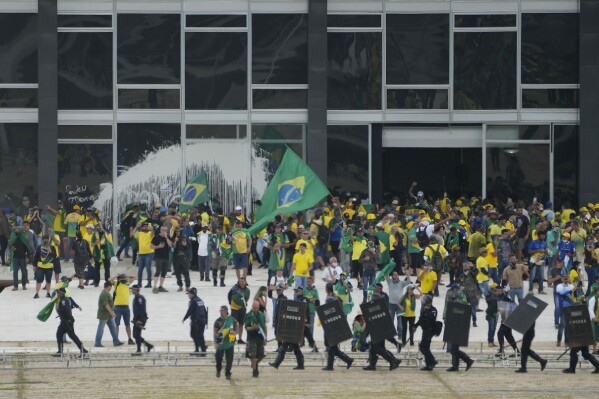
(252, 319)
(105, 298)
(311, 294)
(411, 238)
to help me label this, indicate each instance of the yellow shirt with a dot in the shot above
(302, 264)
(408, 312)
(432, 248)
(494, 230)
(482, 264)
(427, 282)
(144, 239)
(54, 244)
(491, 260)
(359, 247)
(88, 238)
(59, 221)
(121, 297)
(309, 246)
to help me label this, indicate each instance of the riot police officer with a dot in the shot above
(198, 314)
(64, 308)
(140, 317)
(427, 321)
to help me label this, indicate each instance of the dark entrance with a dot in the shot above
(455, 170)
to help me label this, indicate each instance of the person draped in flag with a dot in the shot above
(343, 289)
(64, 306)
(277, 243)
(238, 297)
(102, 252)
(225, 331)
(221, 255)
(43, 266)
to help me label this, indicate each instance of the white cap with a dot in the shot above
(238, 208)
(395, 202)
(379, 225)
(89, 226)
(391, 216)
(420, 194)
(425, 222)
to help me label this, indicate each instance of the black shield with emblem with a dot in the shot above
(291, 321)
(525, 314)
(334, 323)
(579, 329)
(457, 323)
(378, 320)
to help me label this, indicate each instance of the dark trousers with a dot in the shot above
(505, 333)
(425, 349)
(204, 266)
(228, 354)
(124, 246)
(3, 246)
(526, 351)
(19, 265)
(197, 334)
(378, 349)
(335, 351)
(584, 350)
(137, 335)
(66, 327)
(285, 346)
(97, 267)
(457, 355)
(181, 270)
(405, 321)
(309, 337)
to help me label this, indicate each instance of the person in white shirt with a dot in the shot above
(278, 280)
(332, 271)
(203, 258)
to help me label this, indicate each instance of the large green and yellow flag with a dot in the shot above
(194, 193)
(293, 188)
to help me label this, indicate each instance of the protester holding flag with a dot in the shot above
(225, 329)
(102, 251)
(64, 308)
(343, 289)
(238, 297)
(195, 192)
(242, 244)
(43, 265)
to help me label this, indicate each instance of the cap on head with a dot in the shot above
(378, 285)
(135, 287)
(193, 291)
(454, 286)
(427, 299)
(238, 208)
(566, 234)
(62, 289)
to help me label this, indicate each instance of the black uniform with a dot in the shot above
(307, 331)
(427, 320)
(505, 333)
(526, 351)
(199, 316)
(584, 350)
(64, 308)
(140, 317)
(378, 348)
(285, 347)
(334, 350)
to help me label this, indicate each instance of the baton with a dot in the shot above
(560, 356)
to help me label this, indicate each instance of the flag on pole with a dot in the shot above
(293, 188)
(194, 193)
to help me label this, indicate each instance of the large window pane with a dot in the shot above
(18, 165)
(565, 165)
(149, 48)
(18, 98)
(417, 99)
(417, 48)
(18, 48)
(485, 70)
(347, 159)
(485, 21)
(216, 70)
(550, 98)
(84, 70)
(149, 98)
(518, 171)
(354, 74)
(280, 99)
(83, 173)
(148, 163)
(280, 48)
(550, 48)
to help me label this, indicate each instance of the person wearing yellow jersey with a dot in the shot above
(239, 216)
(88, 218)
(43, 263)
(492, 261)
(483, 271)
(72, 223)
(359, 244)
(242, 244)
(436, 254)
(121, 303)
(407, 305)
(146, 254)
(301, 265)
(59, 225)
(427, 279)
(306, 240)
(56, 244)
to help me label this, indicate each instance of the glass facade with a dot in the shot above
(18, 165)
(18, 48)
(347, 160)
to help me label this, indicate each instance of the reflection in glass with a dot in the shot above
(280, 48)
(520, 132)
(550, 48)
(485, 21)
(347, 160)
(518, 171)
(83, 169)
(417, 99)
(84, 70)
(149, 98)
(550, 98)
(84, 21)
(228, 181)
(354, 21)
(485, 70)
(354, 73)
(417, 48)
(565, 165)
(148, 164)
(18, 48)
(266, 158)
(216, 70)
(280, 99)
(215, 131)
(18, 98)
(278, 132)
(18, 164)
(149, 48)
(215, 21)
(85, 132)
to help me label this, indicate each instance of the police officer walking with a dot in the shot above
(225, 337)
(526, 351)
(333, 350)
(427, 321)
(64, 308)
(140, 317)
(378, 348)
(198, 315)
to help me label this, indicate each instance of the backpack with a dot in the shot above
(437, 260)
(322, 237)
(422, 238)
(437, 328)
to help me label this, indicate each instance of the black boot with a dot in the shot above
(214, 281)
(348, 360)
(59, 351)
(149, 346)
(279, 359)
(222, 282)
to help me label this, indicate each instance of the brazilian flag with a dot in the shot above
(194, 193)
(293, 188)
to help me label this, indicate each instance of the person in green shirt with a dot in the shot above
(255, 326)
(311, 294)
(106, 316)
(414, 250)
(277, 242)
(242, 244)
(384, 244)
(72, 226)
(225, 329)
